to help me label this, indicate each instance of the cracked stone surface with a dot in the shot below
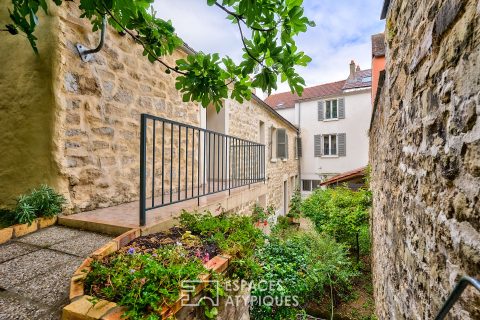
(35, 271)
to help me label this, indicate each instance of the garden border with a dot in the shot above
(82, 306)
(20, 230)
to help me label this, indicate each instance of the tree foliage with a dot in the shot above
(341, 213)
(270, 52)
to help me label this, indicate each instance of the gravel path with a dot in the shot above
(35, 271)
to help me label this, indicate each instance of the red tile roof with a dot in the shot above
(345, 176)
(361, 79)
(287, 99)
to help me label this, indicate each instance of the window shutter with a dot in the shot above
(299, 147)
(281, 143)
(341, 108)
(342, 144)
(320, 110)
(286, 146)
(317, 145)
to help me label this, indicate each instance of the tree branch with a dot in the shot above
(241, 18)
(245, 45)
(142, 44)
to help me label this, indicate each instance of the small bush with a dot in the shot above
(295, 207)
(305, 266)
(41, 202)
(341, 213)
(7, 217)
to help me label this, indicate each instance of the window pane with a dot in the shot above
(328, 113)
(334, 109)
(306, 185)
(326, 145)
(334, 145)
(315, 184)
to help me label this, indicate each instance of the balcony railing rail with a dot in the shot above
(180, 162)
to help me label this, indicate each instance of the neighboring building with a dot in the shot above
(76, 126)
(378, 60)
(333, 120)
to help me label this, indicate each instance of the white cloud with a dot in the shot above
(342, 34)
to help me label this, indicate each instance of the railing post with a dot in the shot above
(143, 168)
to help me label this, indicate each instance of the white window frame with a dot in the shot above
(329, 137)
(329, 106)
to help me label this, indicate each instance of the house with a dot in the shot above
(333, 120)
(114, 136)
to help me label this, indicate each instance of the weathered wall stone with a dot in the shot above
(425, 157)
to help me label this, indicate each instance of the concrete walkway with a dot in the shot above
(35, 271)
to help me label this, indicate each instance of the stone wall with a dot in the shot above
(95, 112)
(425, 158)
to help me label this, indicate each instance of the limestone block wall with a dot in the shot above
(88, 117)
(425, 159)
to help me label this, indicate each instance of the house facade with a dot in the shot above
(333, 120)
(80, 128)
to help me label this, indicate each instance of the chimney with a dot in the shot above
(352, 68)
(358, 68)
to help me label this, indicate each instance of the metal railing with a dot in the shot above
(455, 295)
(180, 162)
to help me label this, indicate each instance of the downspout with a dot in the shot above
(299, 158)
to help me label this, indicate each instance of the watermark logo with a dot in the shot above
(193, 287)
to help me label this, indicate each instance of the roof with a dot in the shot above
(287, 99)
(284, 100)
(361, 79)
(360, 172)
(378, 45)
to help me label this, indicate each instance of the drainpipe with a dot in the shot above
(299, 158)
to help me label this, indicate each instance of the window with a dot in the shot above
(282, 144)
(331, 109)
(307, 185)
(330, 145)
(310, 185)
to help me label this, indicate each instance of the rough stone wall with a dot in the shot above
(244, 122)
(425, 158)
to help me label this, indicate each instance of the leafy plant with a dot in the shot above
(302, 266)
(341, 213)
(7, 217)
(270, 52)
(41, 202)
(234, 234)
(295, 207)
(143, 282)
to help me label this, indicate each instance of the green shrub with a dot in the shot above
(7, 217)
(41, 202)
(303, 266)
(234, 234)
(341, 213)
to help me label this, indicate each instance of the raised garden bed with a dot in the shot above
(19, 230)
(149, 263)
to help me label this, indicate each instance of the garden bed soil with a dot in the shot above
(196, 246)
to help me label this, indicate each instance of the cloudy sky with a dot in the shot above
(342, 33)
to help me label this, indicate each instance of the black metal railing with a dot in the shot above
(455, 295)
(180, 162)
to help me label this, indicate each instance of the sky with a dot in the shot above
(342, 33)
